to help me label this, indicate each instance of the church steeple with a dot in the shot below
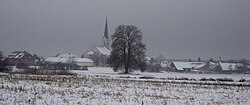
(105, 39)
(106, 36)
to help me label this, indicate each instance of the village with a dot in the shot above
(98, 54)
(124, 52)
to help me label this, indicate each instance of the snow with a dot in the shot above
(90, 52)
(103, 50)
(100, 89)
(20, 55)
(67, 58)
(100, 70)
(101, 85)
(228, 66)
(191, 65)
(107, 71)
(58, 60)
(16, 55)
(52, 59)
(67, 55)
(83, 60)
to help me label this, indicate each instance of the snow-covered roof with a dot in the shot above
(62, 58)
(90, 52)
(228, 66)
(189, 65)
(52, 59)
(20, 55)
(148, 58)
(103, 50)
(69, 55)
(67, 58)
(12, 55)
(17, 54)
(165, 64)
(212, 63)
(83, 60)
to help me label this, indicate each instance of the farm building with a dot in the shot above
(67, 62)
(22, 59)
(209, 67)
(228, 67)
(181, 66)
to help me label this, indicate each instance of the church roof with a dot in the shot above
(103, 50)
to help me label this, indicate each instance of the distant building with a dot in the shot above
(186, 66)
(228, 67)
(21, 59)
(100, 53)
(209, 67)
(67, 62)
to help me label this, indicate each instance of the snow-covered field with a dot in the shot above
(96, 87)
(109, 72)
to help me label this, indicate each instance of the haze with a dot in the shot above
(179, 29)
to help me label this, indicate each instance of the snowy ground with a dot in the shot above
(96, 87)
(109, 72)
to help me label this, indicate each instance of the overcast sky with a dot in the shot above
(179, 29)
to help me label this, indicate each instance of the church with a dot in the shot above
(100, 53)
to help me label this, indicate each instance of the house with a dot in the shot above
(165, 65)
(67, 62)
(209, 67)
(181, 66)
(100, 53)
(83, 62)
(228, 67)
(21, 59)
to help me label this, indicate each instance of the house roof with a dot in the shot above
(61, 58)
(165, 64)
(228, 66)
(69, 55)
(90, 52)
(83, 60)
(189, 65)
(17, 54)
(52, 59)
(66, 58)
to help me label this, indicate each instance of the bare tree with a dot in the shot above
(1, 55)
(199, 59)
(128, 51)
(2, 63)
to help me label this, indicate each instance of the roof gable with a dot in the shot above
(188, 65)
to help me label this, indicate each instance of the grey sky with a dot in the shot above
(175, 28)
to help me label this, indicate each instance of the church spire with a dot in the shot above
(105, 39)
(106, 36)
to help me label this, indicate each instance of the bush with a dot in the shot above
(182, 78)
(44, 72)
(225, 79)
(146, 77)
(242, 80)
(205, 79)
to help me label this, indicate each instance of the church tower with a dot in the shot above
(105, 39)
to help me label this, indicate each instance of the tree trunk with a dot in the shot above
(126, 70)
